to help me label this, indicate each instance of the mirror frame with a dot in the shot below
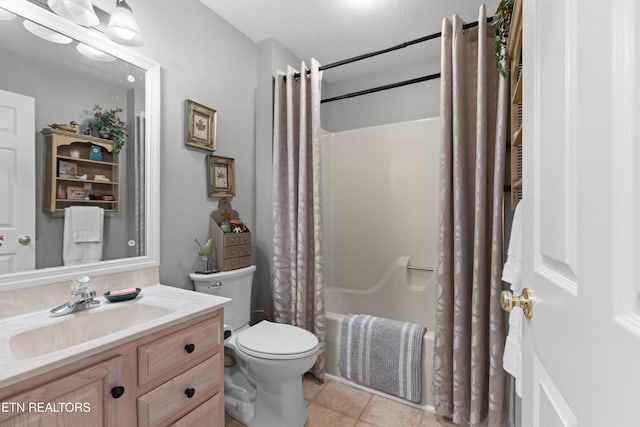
(98, 40)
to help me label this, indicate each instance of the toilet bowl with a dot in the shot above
(264, 363)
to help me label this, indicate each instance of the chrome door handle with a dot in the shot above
(508, 301)
(24, 240)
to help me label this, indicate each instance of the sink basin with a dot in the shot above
(83, 326)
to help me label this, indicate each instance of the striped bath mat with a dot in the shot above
(383, 354)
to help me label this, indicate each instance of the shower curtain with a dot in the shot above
(297, 222)
(469, 381)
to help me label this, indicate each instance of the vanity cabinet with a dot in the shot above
(72, 176)
(174, 376)
(78, 399)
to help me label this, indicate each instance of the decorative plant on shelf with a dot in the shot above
(109, 125)
(501, 23)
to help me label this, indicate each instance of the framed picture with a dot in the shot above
(222, 176)
(67, 169)
(201, 126)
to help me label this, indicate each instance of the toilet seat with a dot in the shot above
(276, 341)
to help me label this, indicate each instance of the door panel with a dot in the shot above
(581, 187)
(555, 128)
(17, 182)
(550, 408)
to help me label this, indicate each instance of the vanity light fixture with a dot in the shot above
(93, 53)
(45, 33)
(123, 27)
(79, 11)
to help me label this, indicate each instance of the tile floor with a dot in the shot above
(334, 404)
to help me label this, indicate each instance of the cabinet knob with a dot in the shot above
(189, 348)
(190, 392)
(117, 391)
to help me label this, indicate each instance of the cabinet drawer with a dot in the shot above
(187, 346)
(235, 263)
(209, 414)
(234, 239)
(237, 251)
(171, 400)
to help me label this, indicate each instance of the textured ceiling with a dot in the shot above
(332, 30)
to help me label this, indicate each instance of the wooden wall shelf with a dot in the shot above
(514, 56)
(57, 185)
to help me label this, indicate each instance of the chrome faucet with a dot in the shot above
(82, 298)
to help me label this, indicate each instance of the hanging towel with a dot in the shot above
(82, 239)
(512, 273)
(383, 354)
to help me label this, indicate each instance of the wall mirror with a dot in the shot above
(68, 69)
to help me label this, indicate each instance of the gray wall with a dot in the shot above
(416, 101)
(63, 95)
(205, 59)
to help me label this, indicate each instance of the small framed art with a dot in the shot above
(222, 176)
(201, 126)
(67, 169)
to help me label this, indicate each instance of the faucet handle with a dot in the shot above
(81, 286)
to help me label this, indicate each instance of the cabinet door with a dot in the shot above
(80, 399)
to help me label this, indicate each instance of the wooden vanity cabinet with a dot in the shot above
(172, 377)
(80, 398)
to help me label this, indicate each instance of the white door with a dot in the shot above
(581, 348)
(17, 183)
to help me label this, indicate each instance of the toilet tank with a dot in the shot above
(234, 284)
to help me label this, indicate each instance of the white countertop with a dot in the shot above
(78, 335)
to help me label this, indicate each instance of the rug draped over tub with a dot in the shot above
(383, 354)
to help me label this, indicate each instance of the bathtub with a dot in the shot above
(380, 216)
(401, 294)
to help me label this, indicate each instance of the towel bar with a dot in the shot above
(415, 267)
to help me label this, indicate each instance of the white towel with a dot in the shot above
(82, 239)
(512, 273)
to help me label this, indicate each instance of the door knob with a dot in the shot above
(508, 301)
(24, 240)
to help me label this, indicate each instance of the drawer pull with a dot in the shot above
(117, 392)
(189, 348)
(190, 392)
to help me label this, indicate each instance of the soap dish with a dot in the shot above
(122, 297)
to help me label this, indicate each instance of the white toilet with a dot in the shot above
(264, 363)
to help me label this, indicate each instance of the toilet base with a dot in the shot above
(264, 402)
(280, 403)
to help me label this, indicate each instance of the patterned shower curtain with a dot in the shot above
(469, 381)
(297, 221)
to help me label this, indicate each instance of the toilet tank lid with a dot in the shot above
(276, 339)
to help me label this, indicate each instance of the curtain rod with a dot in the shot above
(380, 88)
(390, 49)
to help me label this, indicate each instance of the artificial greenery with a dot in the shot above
(501, 22)
(109, 124)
